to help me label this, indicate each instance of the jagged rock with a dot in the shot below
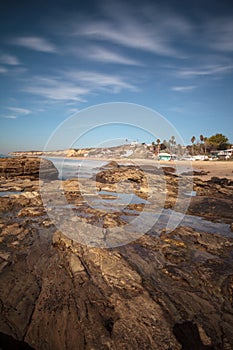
(188, 335)
(124, 178)
(215, 187)
(168, 170)
(151, 294)
(172, 291)
(112, 164)
(195, 173)
(31, 211)
(31, 168)
(8, 342)
(220, 181)
(213, 208)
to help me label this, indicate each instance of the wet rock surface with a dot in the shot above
(214, 199)
(168, 291)
(24, 167)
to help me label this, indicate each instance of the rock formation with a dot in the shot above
(168, 291)
(26, 167)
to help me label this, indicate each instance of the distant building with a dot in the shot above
(224, 154)
(200, 157)
(229, 152)
(164, 156)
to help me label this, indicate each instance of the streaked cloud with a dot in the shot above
(129, 35)
(22, 111)
(9, 60)
(219, 34)
(76, 85)
(35, 43)
(73, 111)
(10, 116)
(3, 70)
(152, 30)
(56, 89)
(104, 55)
(183, 88)
(204, 71)
(97, 80)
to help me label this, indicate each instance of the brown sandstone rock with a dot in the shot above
(168, 292)
(24, 167)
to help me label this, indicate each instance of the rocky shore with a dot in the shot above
(168, 289)
(26, 167)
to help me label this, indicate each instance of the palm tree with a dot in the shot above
(173, 142)
(158, 145)
(174, 146)
(153, 145)
(193, 140)
(205, 143)
(201, 139)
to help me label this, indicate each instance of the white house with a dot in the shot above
(164, 156)
(227, 153)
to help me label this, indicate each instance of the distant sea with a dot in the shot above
(70, 168)
(4, 156)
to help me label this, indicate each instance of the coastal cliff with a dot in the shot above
(123, 151)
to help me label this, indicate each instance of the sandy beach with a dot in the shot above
(217, 168)
(213, 168)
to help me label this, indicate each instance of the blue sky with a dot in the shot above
(60, 57)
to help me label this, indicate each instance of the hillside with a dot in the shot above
(123, 151)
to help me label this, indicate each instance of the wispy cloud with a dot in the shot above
(17, 110)
(35, 43)
(9, 60)
(73, 111)
(219, 33)
(104, 55)
(183, 88)
(10, 116)
(205, 71)
(127, 34)
(3, 70)
(96, 80)
(55, 89)
(77, 85)
(150, 30)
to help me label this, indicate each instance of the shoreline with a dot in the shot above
(218, 168)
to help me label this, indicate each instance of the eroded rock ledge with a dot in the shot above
(26, 167)
(172, 291)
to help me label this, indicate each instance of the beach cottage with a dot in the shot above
(164, 156)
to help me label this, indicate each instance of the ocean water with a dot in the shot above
(8, 193)
(81, 168)
(167, 218)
